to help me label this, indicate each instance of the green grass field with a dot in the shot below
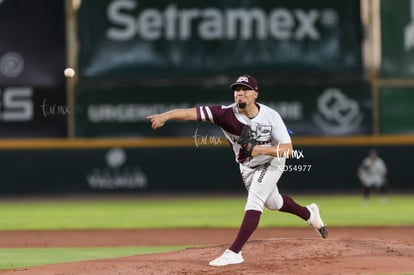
(151, 212)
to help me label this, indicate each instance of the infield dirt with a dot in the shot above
(348, 250)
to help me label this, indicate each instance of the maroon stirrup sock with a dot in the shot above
(290, 206)
(250, 222)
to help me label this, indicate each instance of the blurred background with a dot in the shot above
(340, 73)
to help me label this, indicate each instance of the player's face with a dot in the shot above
(243, 94)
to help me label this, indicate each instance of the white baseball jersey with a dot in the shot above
(268, 126)
(372, 172)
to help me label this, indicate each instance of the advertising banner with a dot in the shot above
(317, 109)
(27, 112)
(109, 170)
(397, 113)
(131, 39)
(32, 47)
(144, 170)
(397, 38)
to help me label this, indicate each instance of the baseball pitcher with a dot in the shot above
(261, 142)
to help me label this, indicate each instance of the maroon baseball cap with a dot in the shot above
(245, 80)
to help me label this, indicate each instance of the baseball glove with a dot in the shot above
(247, 139)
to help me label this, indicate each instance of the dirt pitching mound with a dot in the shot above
(349, 252)
(275, 256)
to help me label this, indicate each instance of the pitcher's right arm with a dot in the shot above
(158, 120)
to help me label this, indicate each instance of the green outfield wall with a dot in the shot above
(397, 112)
(397, 38)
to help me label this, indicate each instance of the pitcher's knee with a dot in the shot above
(254, 203)
(274, 202)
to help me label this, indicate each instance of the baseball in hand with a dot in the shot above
(69, 72)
